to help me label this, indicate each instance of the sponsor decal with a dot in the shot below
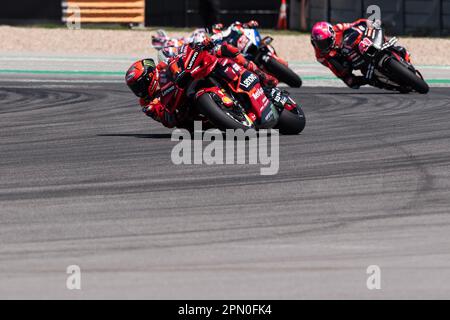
(194, 57)
(227, 100)
(236, 67)
(278, 98)
(131, 76)
(269, 115)
(258, 93)
(149, 63)
(247, 82)
(168, 90)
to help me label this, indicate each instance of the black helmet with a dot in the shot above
(143, 78)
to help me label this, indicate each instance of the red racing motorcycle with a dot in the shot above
(228, 96)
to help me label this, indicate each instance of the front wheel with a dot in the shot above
(403, 76)
(292, 121)
(282, 72)
(222, 118)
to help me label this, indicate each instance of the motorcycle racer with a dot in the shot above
(145, 81)
(336, 48)
(219, 27)
(145, 78)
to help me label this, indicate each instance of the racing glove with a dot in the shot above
(152, 110)
(266, 79)
(158, 112)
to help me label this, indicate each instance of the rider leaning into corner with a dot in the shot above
(336, 47)
(146, 78)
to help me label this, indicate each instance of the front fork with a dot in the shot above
(280, 99)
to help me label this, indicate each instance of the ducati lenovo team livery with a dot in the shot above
(221, 90)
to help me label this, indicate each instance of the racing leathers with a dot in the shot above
(336, 60)
(344, 57)
(180, 116)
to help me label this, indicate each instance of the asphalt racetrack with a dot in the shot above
(87, 179)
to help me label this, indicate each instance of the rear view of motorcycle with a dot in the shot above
(248, 40)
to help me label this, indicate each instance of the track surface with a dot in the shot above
(86, 179)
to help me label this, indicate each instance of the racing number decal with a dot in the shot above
(242, 43)
(364, 45)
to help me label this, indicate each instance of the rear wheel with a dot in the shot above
(404, 76)
(223, 118)
(282, 72)
(291, 121)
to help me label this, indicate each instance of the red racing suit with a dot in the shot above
(334, 59)
(180, 117)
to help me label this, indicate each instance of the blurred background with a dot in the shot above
(404, 17)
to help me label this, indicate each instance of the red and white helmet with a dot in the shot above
(323, 36)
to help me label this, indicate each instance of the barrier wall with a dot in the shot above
(415, 17)
(185, 13)
(105, 11)
(26, 11)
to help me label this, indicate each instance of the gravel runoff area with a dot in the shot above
(136, 43)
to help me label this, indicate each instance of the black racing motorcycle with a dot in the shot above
(383, 64)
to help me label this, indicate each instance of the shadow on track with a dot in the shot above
(138, 135)
(360, 93)
(165, 135)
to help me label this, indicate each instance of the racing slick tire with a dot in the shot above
(291, 122)
(282, 72)
(405, 76)
(219, 117)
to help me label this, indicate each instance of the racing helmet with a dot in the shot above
(216, 28)
(198, 36)
(159, 40)
(165, 54)
(143, 78)
(237, 27)
(323, 36)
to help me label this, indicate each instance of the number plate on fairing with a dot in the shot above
(365, 45)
